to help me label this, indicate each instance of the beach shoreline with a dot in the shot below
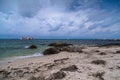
(14, 58)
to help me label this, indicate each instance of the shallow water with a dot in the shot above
(16, 47)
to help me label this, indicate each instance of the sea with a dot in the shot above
(17, 48)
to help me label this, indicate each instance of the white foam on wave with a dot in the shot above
(12, 59)
(34, 55)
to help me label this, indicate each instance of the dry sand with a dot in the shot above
(94, 63)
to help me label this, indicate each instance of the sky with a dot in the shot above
(60, 19)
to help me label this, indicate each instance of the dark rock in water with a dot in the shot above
(32, 47)
(58, 75)
(71, 68)
(50, 51)
(59, 44)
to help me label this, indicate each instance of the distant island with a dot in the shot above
(26, 38)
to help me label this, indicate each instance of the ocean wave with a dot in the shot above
(34, 55)
(12, 59)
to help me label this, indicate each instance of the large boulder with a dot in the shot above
(70, 48)
(50, 51)
(59, 44)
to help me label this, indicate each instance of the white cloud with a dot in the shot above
(55, 18)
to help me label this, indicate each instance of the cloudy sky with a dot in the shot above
(79, 19)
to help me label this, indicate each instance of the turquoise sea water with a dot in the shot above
(16, 47)
(11, 48)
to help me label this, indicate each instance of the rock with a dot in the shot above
(41, 78)
(58, 75)
(96, 51)
(37, 78)
(65, 47)
(32, 78)
(59, 44)
(9, 62)
(19, 73)
(98, 62)
(117, 52)
(71, 68)
(102, 53)
(63, 59)
(32, 47)
(4, 73)
(50, 51)
(50, 66)
(99, 75)
(117, 67)
(72, 48)
(8, 67)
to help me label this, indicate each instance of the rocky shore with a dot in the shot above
(66, 62)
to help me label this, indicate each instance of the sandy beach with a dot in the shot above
(59, 39)
(94, 63)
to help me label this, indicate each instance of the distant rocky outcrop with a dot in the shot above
(110, 45)
(59, 44)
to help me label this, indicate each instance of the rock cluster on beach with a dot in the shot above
(60, 46)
